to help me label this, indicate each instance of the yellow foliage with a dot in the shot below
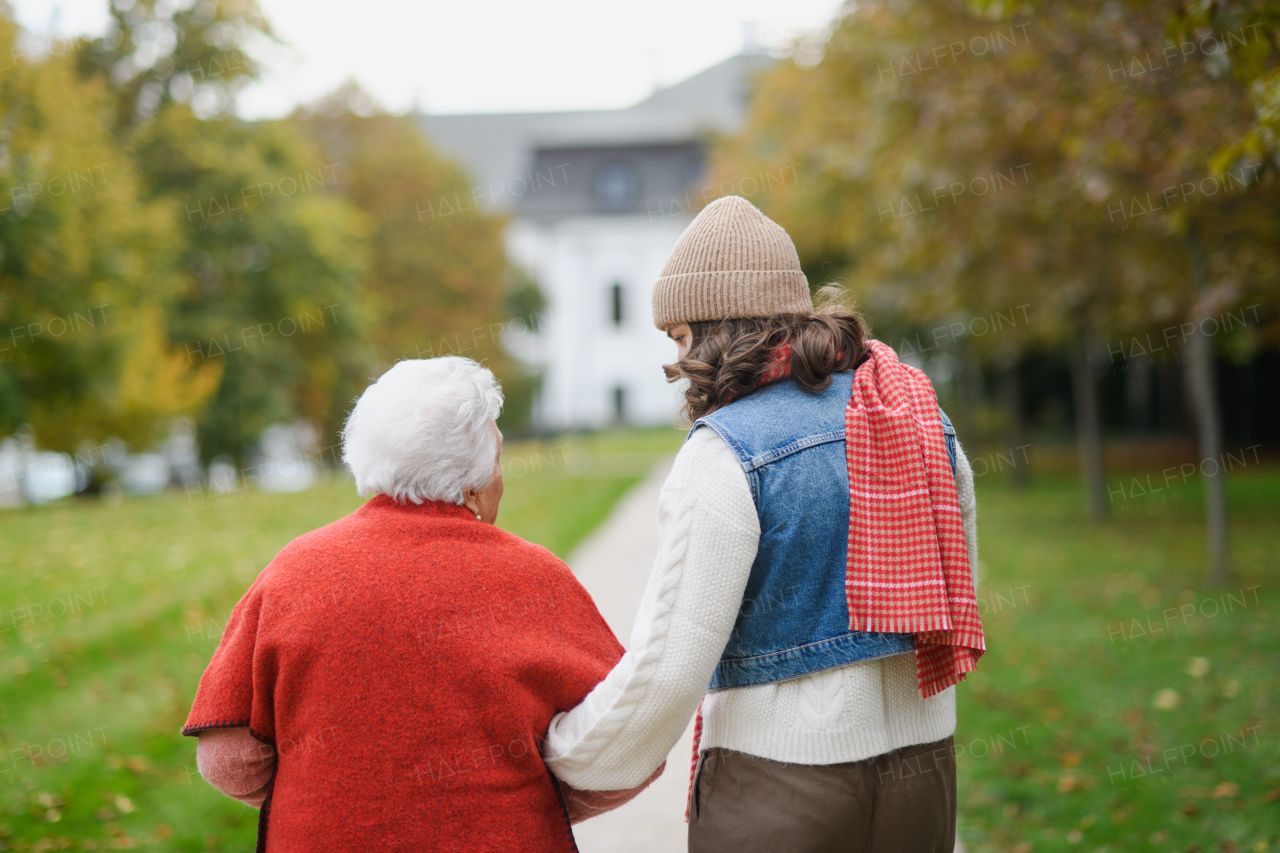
(157, 382)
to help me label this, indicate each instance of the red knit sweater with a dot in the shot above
(405, 662)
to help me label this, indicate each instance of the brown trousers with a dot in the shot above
(900, 802)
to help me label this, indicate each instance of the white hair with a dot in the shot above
(422, 431)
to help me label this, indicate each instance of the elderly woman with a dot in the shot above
(386, 682)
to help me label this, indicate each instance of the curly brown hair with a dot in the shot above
(728, 357)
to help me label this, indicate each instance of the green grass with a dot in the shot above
(111, 612)
(1051, 725)
(1062, 741)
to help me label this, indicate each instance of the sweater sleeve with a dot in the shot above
(708, 532)
(968, 509)
(236, 763)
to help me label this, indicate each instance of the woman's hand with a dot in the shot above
(588, 804)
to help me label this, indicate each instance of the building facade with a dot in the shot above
(596, 200)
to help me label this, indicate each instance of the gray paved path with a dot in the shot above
(614, 565)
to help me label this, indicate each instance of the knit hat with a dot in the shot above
(732, 261)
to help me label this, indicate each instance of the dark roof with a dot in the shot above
(498, 148)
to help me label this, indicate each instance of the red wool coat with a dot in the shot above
(405, 662)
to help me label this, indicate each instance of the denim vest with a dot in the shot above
(794, 617)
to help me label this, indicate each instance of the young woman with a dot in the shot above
(814, 580)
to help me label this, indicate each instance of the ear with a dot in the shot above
(471, 500)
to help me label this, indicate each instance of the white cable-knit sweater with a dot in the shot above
(708, 532)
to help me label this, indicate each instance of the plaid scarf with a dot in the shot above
(908, 565)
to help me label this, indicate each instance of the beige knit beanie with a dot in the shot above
(732, 261)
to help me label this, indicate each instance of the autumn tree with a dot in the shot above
(438, 280)
(85, 270)
(157, 53)
(1180, 146)
(271, 258)
(266, 253)
(954, 162)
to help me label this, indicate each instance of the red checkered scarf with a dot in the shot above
(908, 566)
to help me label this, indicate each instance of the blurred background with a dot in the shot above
(221, 219)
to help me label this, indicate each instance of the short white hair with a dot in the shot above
(422, 431)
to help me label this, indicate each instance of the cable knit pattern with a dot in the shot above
(708, 534)
(629, 722)
(645, 664)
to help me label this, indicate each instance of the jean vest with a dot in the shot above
(794, 618)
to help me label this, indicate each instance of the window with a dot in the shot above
(619, 404)
(616, 302)
(617, 187)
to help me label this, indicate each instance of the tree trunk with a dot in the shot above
(1204, 402)
(1204, 398)
(1011, 410)
(1088, 427)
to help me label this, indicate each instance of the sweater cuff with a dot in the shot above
(236, 763)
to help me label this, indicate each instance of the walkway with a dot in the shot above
(614, 565)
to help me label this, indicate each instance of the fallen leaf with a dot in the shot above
(1198, 667)
(1226, 789)
(1071, 759)
(1166, 700)
(1069, 782)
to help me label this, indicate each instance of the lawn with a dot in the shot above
(1123, 704)
(111, 612)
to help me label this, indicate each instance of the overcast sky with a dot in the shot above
(482, 56)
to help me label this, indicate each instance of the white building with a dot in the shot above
(597, 199)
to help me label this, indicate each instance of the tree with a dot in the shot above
(266, 256)
(271, 259)
(931, 184)
(900, 139)
(438, 280)
(1246, 34)
(1185, 149)
(83, 271)
(158, 53)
